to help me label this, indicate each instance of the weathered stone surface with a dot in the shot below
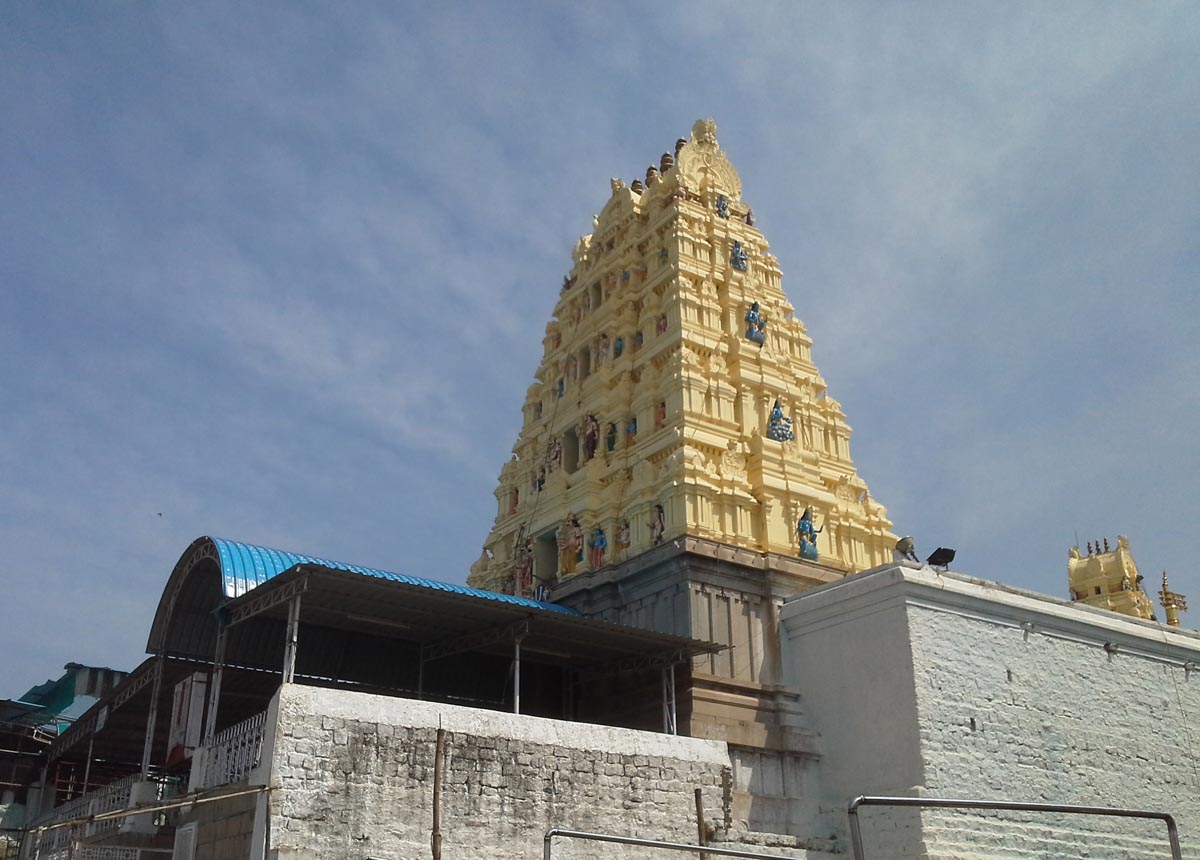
(365, 785)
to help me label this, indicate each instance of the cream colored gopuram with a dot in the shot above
(677, 395)
(1109, 578)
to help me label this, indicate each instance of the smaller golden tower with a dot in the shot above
(1172, 603)
(1109, 579)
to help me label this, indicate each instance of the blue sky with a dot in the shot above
(279, 272)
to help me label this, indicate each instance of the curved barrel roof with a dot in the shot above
(244, 566)
(191, 593)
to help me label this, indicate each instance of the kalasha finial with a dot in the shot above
(666, 162)
(705, 132)
(1172, 602)
(651, 175)
(1106, 549)
(680, 144)
(1089, 547)
(636, 186)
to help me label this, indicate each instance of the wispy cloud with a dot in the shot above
(282, 274)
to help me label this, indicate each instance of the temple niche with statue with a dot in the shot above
(677, 396)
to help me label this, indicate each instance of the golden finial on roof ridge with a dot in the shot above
(1172, 602)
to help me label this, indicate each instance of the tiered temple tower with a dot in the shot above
(677, 396)
(1108, 578)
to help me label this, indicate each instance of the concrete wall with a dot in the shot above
(731, 596)
(938, 684)
(848, 655)
(355, 775)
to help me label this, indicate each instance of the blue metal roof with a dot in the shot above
(244, 566)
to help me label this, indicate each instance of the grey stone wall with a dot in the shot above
(354, 777)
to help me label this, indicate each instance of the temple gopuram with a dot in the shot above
(677, 396)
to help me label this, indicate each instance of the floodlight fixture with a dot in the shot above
(940, 557)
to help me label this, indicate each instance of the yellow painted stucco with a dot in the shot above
(1108, 579)
(658, 273)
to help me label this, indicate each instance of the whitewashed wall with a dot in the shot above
(920, 682)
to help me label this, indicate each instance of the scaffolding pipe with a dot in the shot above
(1011, 806)
(144, 809)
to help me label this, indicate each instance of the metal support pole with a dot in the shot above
(214, 687)
(293, 636)
(517, 675)
(668, 693)
(421, 678)
(439, 753)
(87, 770)
(701, 830)
(152, 717)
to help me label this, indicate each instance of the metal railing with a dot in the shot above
(703, 850)
(949, 803)
(233, 753)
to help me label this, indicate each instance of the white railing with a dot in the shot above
(56, 843)
(91, 852)
(232, 754)
(112, 797)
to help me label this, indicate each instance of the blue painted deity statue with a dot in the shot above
(618, 347)
(756, 325)
(739, 259)
(779, 427)
(597, 546)
(722, 207)
(807, 534)
(808, 549)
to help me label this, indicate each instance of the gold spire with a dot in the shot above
(1172, 602)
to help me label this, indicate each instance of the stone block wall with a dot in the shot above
(354, 777)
